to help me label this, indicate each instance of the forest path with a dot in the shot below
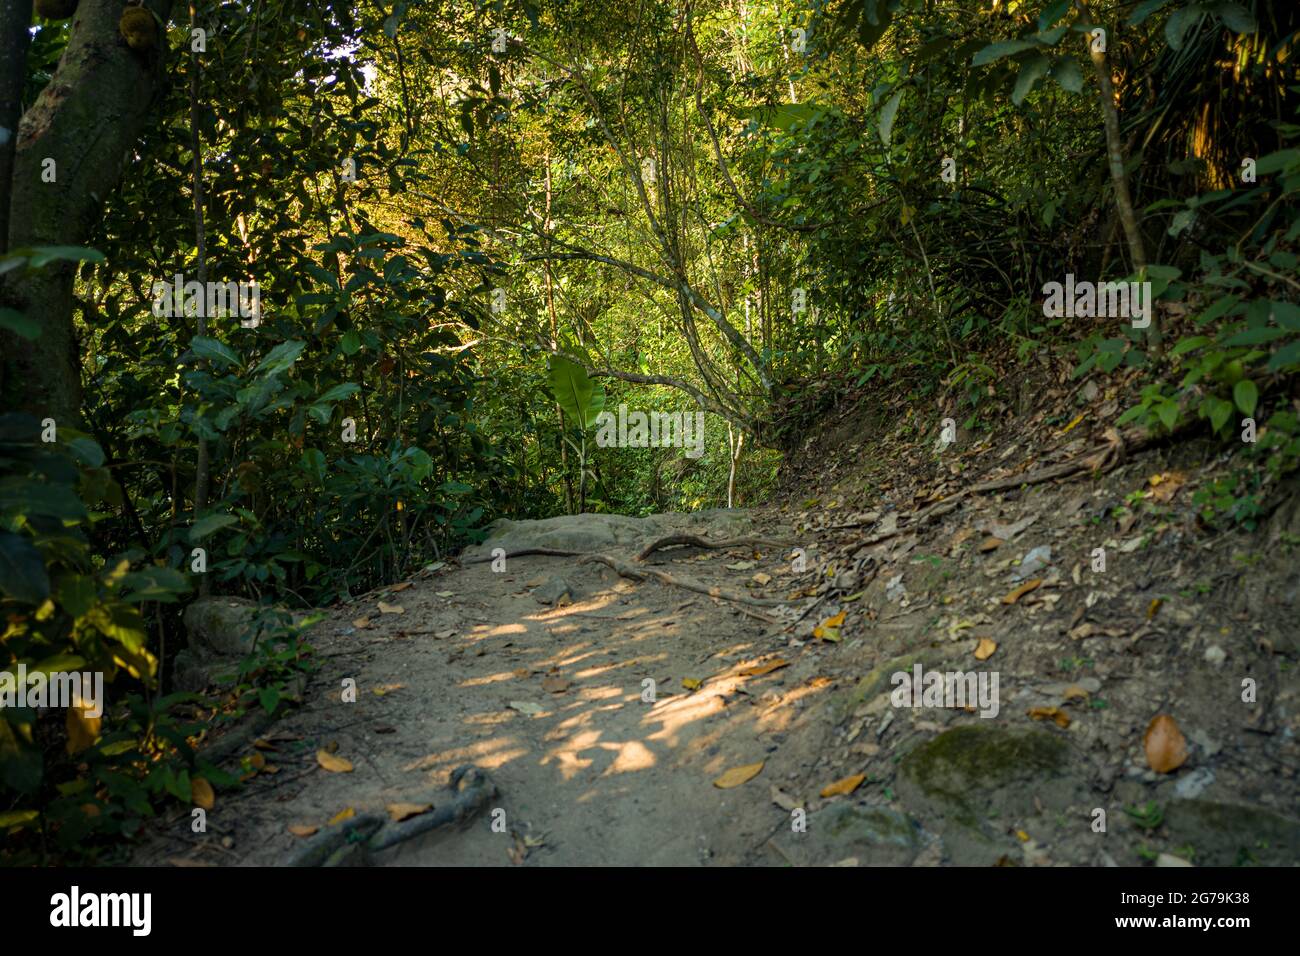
(553, 702)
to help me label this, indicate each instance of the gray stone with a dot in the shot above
(554, 591)
(876, 836)
(1229, 834)
(221, 625)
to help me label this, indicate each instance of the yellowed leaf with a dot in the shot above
(845, 786)
(1153, 607)
(1165, 745)
(302, 829)
(985, 649)
(397, 812)
(738, 775)
(1055, 714)
(385, 689)
(345, 814)
(758, 670)
(1021, 591)
(1070, 427)
(332, 763)
(690, 683)
(1074, 691)
(201, 793)
(83, 731)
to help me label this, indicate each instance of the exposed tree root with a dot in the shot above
(522, 552)
(726, 594)
(695, 541)
(350, 842)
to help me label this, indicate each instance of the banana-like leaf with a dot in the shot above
(580, 398)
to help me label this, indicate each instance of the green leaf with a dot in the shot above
(1144, 10)
(1194, 342)
(1167, 412)
(1236, 17)
(1183, 20)
(22, 570)
(340, 392)
(76, 593)
(155, 584)
(1032, 71)
(350, 343)
(20, 324)
(23, 496)
(1052, 13)
(206, 525)
(1274, 162)
(43, 255)
(1067, 74)
(580, 398)
(996, 51)
(280, 358)
(887, 114)
(269, 698)
(214, 351)
(1287, 357)
(1219, 411)
(1246, 395)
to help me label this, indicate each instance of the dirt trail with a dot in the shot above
(549, 700)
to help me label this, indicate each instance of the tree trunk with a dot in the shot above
(15, 17)
(86, 119)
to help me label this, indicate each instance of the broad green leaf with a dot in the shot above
(1246, 395)
(280, 358)
(1030, 73)
(20, 324)
(996, 51)
(1184, 19)
(208, 524)
(1068, 75)
(887, 114)
(214, 351)
(580, 398)
(22, 570)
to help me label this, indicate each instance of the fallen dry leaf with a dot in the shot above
(990, 544)
(525, 707)
(386, 608)
(1165, 745)
(399, 587)
(1021, 591)
(201, 792)
(761, 579)
(845, 786)
(445, 594)
(1060, 717)
(332, 763)
(690, 683)
(361, 623)
(386, 689)
(397, 812)
(758, 670)
(738, 775)
(829, 629)
(346, 813)
(302, 829)
(1153, 607)
(1075, 691)
(985, 649)
(257, 761)
(1165, 486)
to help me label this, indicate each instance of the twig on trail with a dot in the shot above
(522, 552)
(726, 594)
(696, 541)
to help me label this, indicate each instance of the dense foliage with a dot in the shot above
(748, 209)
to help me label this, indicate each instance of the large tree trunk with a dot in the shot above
(86, 119)
(15, 17)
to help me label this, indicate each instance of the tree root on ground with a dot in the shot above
(725, 594)
(695, 541)
(351, 842)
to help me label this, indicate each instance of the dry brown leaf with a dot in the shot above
(361, 623)
(1153, 607)
(556, 685)
(345, 814)
(386, 608)
(397, 812)
(985, 649)
(738, 775)
(399, 587)
(201, 793)
(1021, 591)
(1074, 691)
(1060, 717)
(845, 786)
(829, 629)
(990, 544)
(1165, 486)
(332, 763)
(261, 744)
(257, 761)
(758, 670)
(1165, 745)
(761, 579)
(302, 829)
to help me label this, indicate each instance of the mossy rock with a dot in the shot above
(843, 703)
(973, 771)
(1230, 834)
(875, 836)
